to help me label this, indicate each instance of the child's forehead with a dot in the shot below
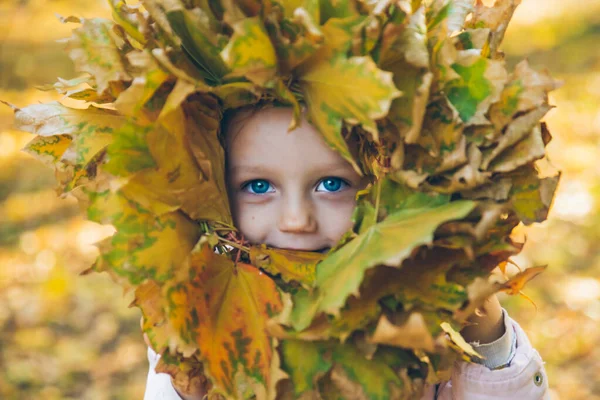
(262, 137)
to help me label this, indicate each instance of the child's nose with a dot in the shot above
(297, 216)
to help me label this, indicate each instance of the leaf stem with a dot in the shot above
(235, 245)
(377, 198)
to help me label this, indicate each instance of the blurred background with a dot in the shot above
(64, 336)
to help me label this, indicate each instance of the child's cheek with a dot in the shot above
(335, 218)
(253, 221)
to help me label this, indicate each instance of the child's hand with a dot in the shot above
(193, 391)
(488, 327)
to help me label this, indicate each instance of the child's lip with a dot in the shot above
(321, 250)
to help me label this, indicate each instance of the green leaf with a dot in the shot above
(305, 362)
(376, 379)
(468, 92)
(196, 29)
(129, 153)
(310, 6)
(388, 242)
(337, 9)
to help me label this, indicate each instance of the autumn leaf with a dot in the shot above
(196, 28)
(227, 306)
(48, 149)
(93, 48)
(129, 18)
(131, 101)
(304, 362)
(495, 17)
(364, 378)
(150, 299)
(525, 151)
(459, 341)
(328, 81)
(412, 334)
(144, 245)
(404, 52)
(250, 52)
(301, 36)
(479, 84)
(291, 265)
(128, 153)
(515, 132)
(515, 284)
(337, 9)
(531, 196)
(90, 131)
(388, 242)
(481, 289)
(164, 175)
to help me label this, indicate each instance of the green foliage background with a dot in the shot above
(63, 336)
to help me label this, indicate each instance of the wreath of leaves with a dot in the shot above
(448, 135)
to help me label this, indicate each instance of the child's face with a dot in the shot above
(288, 190)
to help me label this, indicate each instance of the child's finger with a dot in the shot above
(146, 339)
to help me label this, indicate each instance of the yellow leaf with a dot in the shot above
(459, 341)
(250, 52)
(296, 266)
(144, 245)
(329, 82)
(93, 48)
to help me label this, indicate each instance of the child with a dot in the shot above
(292, 191)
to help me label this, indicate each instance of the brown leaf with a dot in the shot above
(412, 334)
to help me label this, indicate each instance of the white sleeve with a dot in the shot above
(158, 386)
(500, 352)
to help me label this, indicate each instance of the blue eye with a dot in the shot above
(258, 186)
(331, 184)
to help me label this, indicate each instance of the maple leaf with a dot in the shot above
(292, 265)
(328, 80)
(93, 48)
(144, 245)
(69, 138)
(225, 308)
(388, 242)
(250, 52)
